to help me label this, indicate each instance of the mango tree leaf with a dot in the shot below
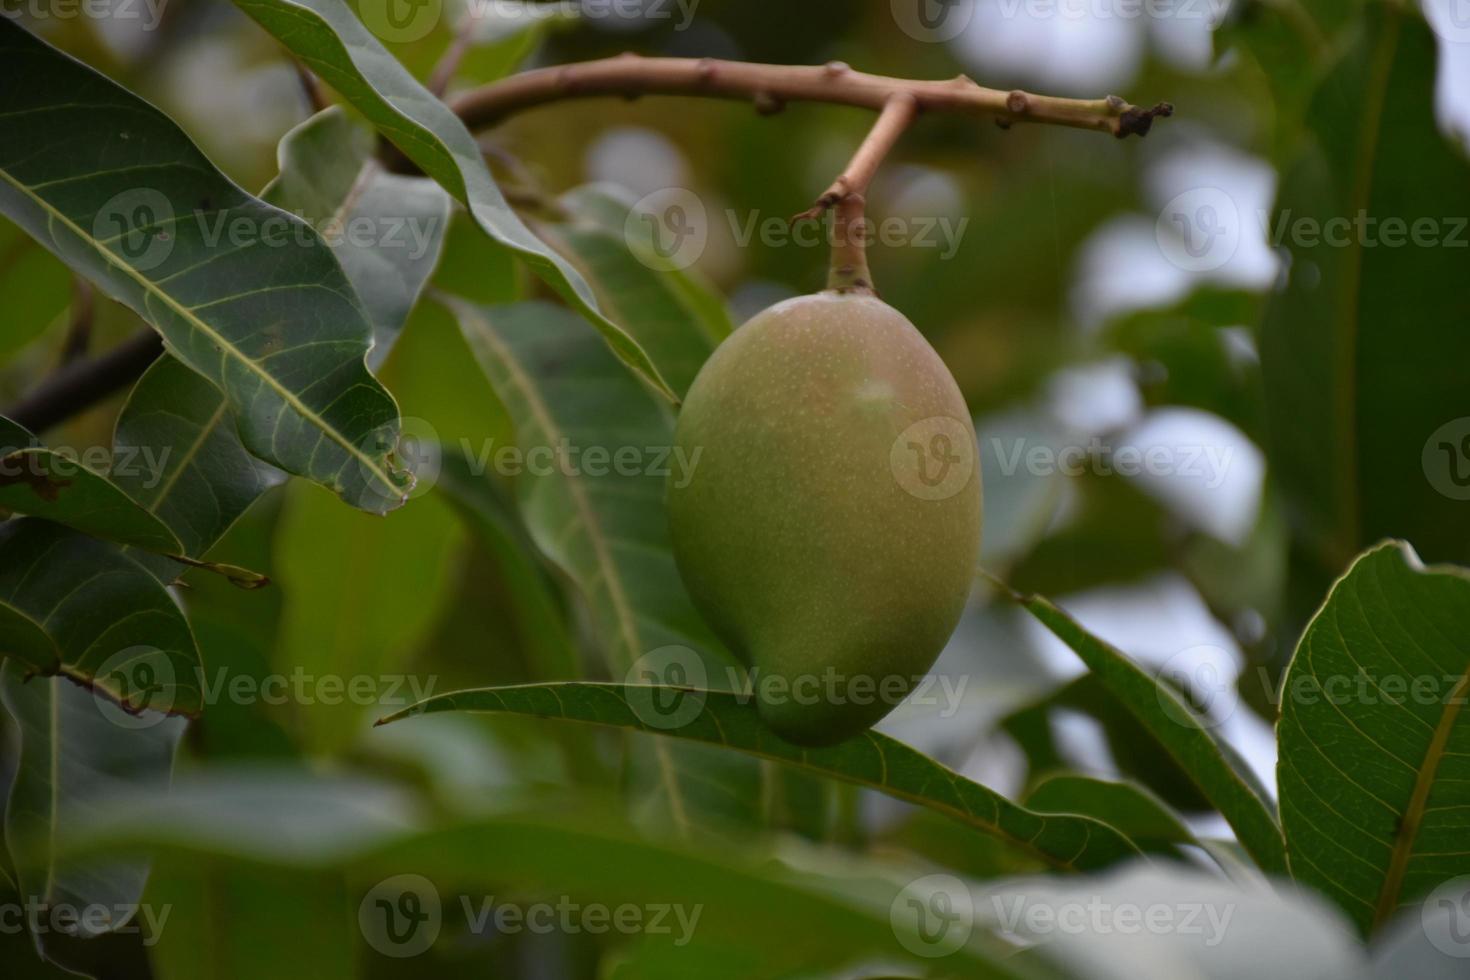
(73, 752)
(241, 292)
(1362, 353)
(871, 759)
(112, 625)
(387, 230)
(503, 35)
(676, 319)
(331, 41)
(288, 820)
(1375, 744)
(201, 477)
(604, 525)
(1210, 763)
(59, 488)
(1147, 820)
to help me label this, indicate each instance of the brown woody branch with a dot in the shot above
(771, 87)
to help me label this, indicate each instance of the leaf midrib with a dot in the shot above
(612, 575)
(1413, 815)
(148, 286)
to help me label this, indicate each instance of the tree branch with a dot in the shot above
(82, 384)
(770, 87)
(898, 112)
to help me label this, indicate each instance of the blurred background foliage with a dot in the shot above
(1058, 311)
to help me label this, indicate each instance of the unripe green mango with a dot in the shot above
(831, 525)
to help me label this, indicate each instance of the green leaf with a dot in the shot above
(326, 36)
(783, 893)
(678, 320)
(75, 750)
(204, 477)
(387, 230)
(59, 488)
(1179, 729)
(1128, 807)
(241, 292)
(498, 43)
(1374, 737)
(489, 511)
(607, 530)
(1363, 352)
(112, 625)
(361, 594)
(872, 760)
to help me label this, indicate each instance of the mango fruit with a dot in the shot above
(830, 528)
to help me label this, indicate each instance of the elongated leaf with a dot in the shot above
(676, 320)
(1178, 728)
(333, 43)
(1375, 741)
(46, 484)
(241, 292)
(387, 230)
(285, 819)
(1363, 352)
(204, 477)
(605, 526)
(1133, 810)
(113, 626)
(72, 753)
(872, 760)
